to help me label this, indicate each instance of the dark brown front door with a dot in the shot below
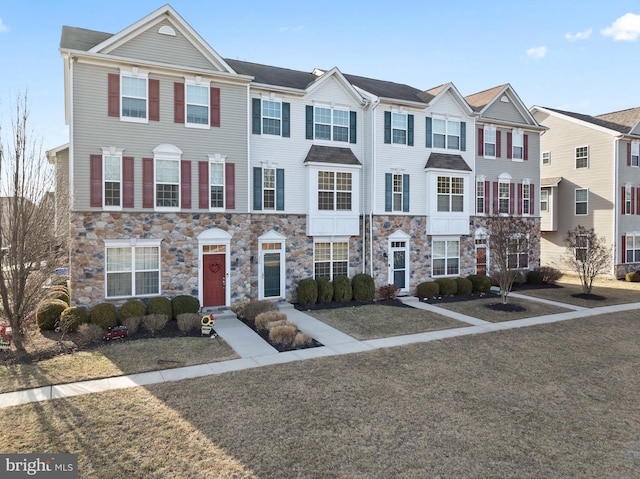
(213, 280)
(481, 260)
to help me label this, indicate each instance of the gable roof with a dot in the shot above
(478, 101)
(74, 38)
(270, 75)
(603, 123)
(447, 162)
(629, 117)
(331, 154)
(481, 102)
(386, 89)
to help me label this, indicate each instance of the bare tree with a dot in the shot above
(27, 235)
(587, 254)
(509, 247)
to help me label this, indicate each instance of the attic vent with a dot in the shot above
(504, 99)
(167, 30)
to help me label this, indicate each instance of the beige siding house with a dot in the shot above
(591, 177)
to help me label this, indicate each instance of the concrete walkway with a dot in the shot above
(255, 352)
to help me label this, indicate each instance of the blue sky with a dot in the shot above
(581, 56)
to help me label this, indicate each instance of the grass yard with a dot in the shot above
(614, 292)
(555, 400)
(381, 321)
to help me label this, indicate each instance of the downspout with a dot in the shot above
(372, 201)
(616, 189)
(249, 119)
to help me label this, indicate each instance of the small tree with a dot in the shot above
(508, 243)
(587, 254)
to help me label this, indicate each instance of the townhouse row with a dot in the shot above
(190, 173)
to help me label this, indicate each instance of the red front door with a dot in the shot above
(481, 260)
(213, 280)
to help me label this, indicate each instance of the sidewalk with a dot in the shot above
(255, 352)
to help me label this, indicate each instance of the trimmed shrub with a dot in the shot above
(342, 290)
(550, 274)
(160, 305)
(465, 286)
(301, 340)
(448, 286)
(325, 290)
(364, 289)
(132, 323)
(534, 277)
(133, 308)
(254, 308)
(283, 334)
(184, 304)
(307, 292)
(72, 317)
(155, 322)
(104, 315)
(632, 277)
(189, 321)
(428, 289)
(90, 333)
(61, 294)
(238, 308)
(388, 291)
(48, 313)
(264, 319)
(481, 283)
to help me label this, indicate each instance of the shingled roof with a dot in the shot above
(601, 120)
(331, 154)
(447, 162)
(628, 117)
(74, 38)
(270, 75)
(479, 100)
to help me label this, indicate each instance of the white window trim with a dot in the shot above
(635, 151)
(628, 236)
(218, 159)
(335, 190)
(575, 157)
(526, 211)
(451, 194)
(545, 193)
(526, 250)
(273, 99)
(481, 179)
(406, 126)
(446, 120)
(508, 183)
(197, 81)
(548, 153)
(575, 201)
(170, 153)
(517, 133)
(628, 199)
(134, 73)
(332, 124)
(489, 128)
(394, 192)
(117, 152)
(446, 239)
(331, 240)
(133, 243)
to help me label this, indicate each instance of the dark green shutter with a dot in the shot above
(352, 127)
(429, 132)
(257, 188)
(405, 193)
(387, 127)
(286, 120)
(309, 122)
(280, 189)
(388, 191)
(256, 116)
(463, 136)
(410, 130)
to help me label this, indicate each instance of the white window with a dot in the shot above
(216, 185)
(632, 249)
(635, 153)
(480, 197)
(489, 142)
(330, 259)
(269, 188)
(517, 138)
(446, 134)
(271, 117)
(504, 198)
(446, 258)
(197, 105)
(399, 128)
(331, 124)
(133, 94)
(397, 192)
(582, 248)
(546, 157)
(112, 178)
(132, 270)
(582, 201)
(582, 157)
(334, 191)
(526, 198)
(518, 253)
(167, 184)
(544, 200)
(450, 194)
(627, 200)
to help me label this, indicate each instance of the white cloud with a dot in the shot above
(3, 27)
(626, 28)
(291, 29)
(537, 52)
(578, 36)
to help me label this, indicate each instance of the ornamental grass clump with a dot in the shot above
(155, 322)
(264, 319)
(283, 334)
(254, 308)
(189, 322)
(132, 323)
(90, 333)
(301, 340)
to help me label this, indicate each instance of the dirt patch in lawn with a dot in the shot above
(490, 309)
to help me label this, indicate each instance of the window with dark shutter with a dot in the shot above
(147, 183)
(214, 101)
(387, 127)
(185, 184)
(352, 127)
(481, 141)
(256, 116)
(286, 119)
(127, 182)
(178, 102)
(230, 185)
(114, 94)
(154, 99)
(203, 185)
(95, 174)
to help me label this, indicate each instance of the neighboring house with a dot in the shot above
(194, 174)
(591, 177)
(507, 174)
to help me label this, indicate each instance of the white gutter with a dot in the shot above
(616, 189)
(249, 126)
(372, 201)
(71, 140)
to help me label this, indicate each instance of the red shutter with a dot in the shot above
(114, 94)
(480, 141)
(633, 201)
(629, 154)
(127, 182)
(154, 99)
(203, 184)
(185, 184)
(532, 205)
(519, 198)
(96, 181)
(178, 102)
(624, 202)
(496, 208)
(214, 99)
(509, 145)
(498, 143)
(512, 198)
(623, 247)
(487, 197)
(638, 201)
(230, 185)
(147, 183)
(525, 146)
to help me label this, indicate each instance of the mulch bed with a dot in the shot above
(506, 307)
(281, 348)
(589, 297)
(349, 304)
